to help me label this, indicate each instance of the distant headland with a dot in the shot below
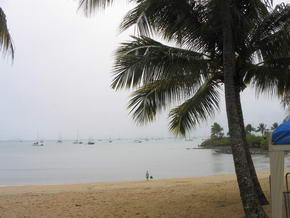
(256, 139)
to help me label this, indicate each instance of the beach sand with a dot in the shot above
(203, 197)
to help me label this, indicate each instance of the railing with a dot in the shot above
(287, 197)
(286, 178)
(286, 194)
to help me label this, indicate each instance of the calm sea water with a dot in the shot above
(121, 160)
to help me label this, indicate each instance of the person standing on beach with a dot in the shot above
(147, 175)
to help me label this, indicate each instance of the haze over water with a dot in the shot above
(122, 160)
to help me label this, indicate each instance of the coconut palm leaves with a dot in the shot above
(194, 23)
(89, 6)
(191, 76)
(6, 45)
(169, 18)
(262, 128)
(270, 41)
(145, 59)
(202, 105)
(249, 129)
(165, 76)
(269, 77)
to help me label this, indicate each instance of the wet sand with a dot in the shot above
(202, 197)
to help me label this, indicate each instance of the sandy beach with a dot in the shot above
(213, 196)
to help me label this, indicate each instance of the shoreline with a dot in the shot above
(220, 177)
(227, 149)
(196, 197)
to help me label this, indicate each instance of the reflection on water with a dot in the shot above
(117, 160)
(218, 162)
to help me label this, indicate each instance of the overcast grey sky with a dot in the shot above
(60, 79)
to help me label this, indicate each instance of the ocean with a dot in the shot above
(21, 163)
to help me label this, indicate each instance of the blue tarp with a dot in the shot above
(281, 135)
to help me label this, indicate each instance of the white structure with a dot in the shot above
(277, 153)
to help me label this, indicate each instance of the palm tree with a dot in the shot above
(143, 59)
(249, 129)
(217, 131)
(211, 73)
(195, 72)
(6, 45)
(274, 126)
(262, 128)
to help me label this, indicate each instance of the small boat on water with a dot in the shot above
(59, 140)
(77, 141)
(38, 143)
(91, 141)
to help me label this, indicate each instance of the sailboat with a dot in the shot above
(77, 139)
(91, 142)
(59, 140)
(37, 142)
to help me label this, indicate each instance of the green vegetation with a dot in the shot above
(249, 129)
(262, 128)
(213, 142)
(254, 141)
(257, 141)
(217, 131)
(218, 139)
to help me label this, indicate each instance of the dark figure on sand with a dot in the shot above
(147, 175)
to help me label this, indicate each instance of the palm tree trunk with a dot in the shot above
(248, 194)
(261, 196)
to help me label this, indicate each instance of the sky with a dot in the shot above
(59, 81)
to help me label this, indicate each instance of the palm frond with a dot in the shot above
(161, 94)
(137, 16)
(202, 105)
(90, 6)
(6, 45)
(193, 23)
(271, 35)
(181, 21)
(285, 100)
(272, 77)
(144, 60)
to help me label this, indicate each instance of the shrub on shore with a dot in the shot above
(254, 141)
(217, 138)
(257, 141)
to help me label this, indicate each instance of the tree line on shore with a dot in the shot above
(217, 131)
(256, 136)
